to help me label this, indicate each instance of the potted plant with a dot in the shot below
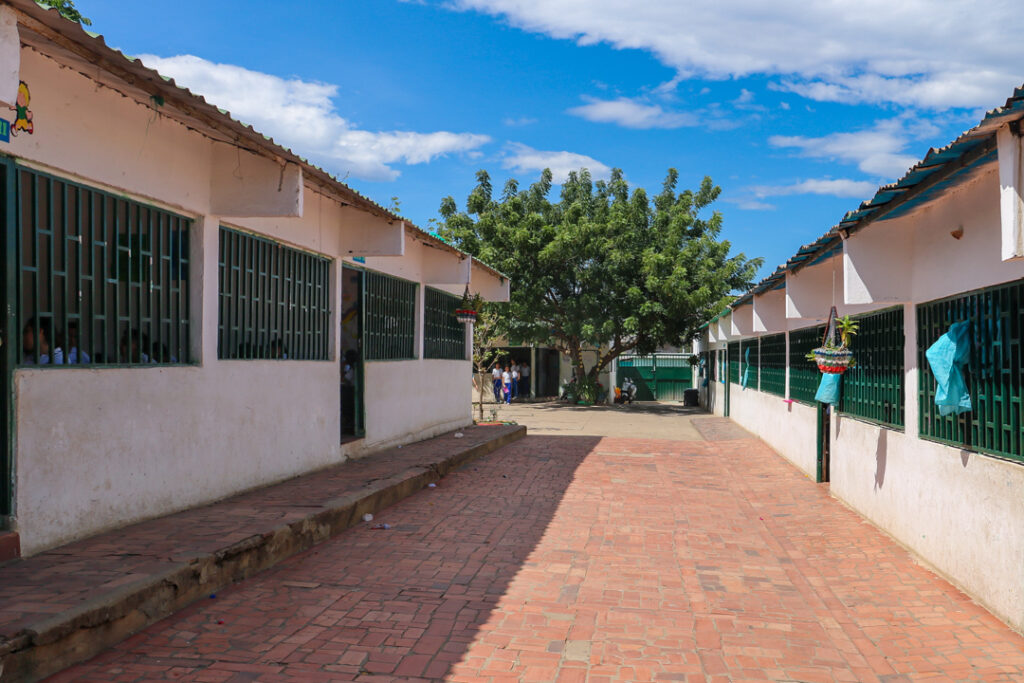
(832, 359)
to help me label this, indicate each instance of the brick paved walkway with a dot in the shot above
(74, 599)
(581, 558)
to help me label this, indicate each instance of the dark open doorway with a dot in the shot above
(353, 417)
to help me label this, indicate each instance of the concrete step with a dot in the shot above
(66, 605)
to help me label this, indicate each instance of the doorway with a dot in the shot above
(824, 448)
(352, 406)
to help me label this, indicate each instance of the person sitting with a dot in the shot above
(35, 343)
(74, 355)
(132, 344)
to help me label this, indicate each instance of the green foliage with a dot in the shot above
(604, 265)
(848, 328)
(66, 8)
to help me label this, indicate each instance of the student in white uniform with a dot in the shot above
(506, 385)
(496, 378)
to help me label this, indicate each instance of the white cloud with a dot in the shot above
(753, 205)
(300, 115)
(877, 150)
(837, 187)
(517, 122)
(632, 114)
(916, 52)
(523, 159)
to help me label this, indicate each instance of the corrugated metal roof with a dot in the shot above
(74, 41)
(939, 171)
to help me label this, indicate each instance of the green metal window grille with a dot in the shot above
(994, 372)
(804, 375)
(873, 388)
(274, 300)
(712, 357)
(773, 364)
(755, 363)
(733, 353)
(103, 279)
(443, 335)
(390, 332)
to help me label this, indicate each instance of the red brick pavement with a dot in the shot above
(65, 577)
(574, 558)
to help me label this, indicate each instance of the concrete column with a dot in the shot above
(533, 371)
(420, 313)
(910, 374)
(204, 288)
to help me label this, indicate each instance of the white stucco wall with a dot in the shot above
(102, 447)
(789, 427)
(411, 400)
(960, 511)
(97, 448)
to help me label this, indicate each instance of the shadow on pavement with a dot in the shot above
(406, 601)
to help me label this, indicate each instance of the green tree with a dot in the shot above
(484, 351)
(66, 9)
(604, 265)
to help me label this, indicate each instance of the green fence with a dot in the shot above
(658, 377)
(390, 314)
(443, 335)
(873, 388)
(102, 279)
(804, 375)
(773, 364)
(733, 353)
(274, 300)
(994, 371)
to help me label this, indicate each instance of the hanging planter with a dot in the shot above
(832, 358)
(834, 361)
(466, 314)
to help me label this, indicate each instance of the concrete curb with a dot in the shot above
(73, 636)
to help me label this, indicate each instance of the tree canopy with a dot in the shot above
(603, 265)
(66, 8)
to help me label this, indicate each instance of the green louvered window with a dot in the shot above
(773, 364)
(274, 300)
(803, 374)
(103, 280)
(390, 310)
(443, 335)
(712, 357)
(993, 373)
(873, 388)
(734, 362)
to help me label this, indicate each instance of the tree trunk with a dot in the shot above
(480, 395)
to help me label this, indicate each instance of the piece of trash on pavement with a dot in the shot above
(459, 435)
(384, 526)
(367, 517)
(431, 485)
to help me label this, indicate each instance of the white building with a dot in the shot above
(246, 317)
(943, 244)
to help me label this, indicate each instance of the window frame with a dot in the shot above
(158, 241)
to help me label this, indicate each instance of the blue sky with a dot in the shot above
(797, 111)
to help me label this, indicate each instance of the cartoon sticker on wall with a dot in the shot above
(23, 115)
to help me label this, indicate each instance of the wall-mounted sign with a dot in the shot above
(359, 259)
(5, 130)
(22, 114)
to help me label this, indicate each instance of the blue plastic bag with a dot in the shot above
(946, 357)
(746, 369)
(828, 388)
